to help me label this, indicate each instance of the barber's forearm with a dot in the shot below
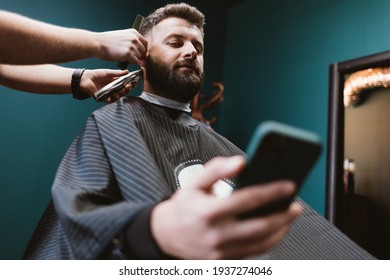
(37, 78)
(27, 41)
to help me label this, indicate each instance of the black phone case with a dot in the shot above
(277, 153)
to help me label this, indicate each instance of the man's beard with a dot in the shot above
(170, 83)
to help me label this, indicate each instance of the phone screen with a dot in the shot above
(277, 153)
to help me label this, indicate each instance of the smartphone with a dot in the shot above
(278, 151)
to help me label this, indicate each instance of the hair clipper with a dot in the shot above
(115, 86)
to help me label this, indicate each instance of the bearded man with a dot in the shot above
(144, 180)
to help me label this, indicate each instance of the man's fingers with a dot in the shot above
(259, 227)
(238, 250)
(254, 197)
(240, 238)
(218, 168)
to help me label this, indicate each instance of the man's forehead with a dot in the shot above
(176, 26)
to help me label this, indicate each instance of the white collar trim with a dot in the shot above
(162, 101)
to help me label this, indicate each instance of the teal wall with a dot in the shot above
(37, 129)
(276, 65)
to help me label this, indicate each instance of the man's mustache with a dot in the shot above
(190, 64)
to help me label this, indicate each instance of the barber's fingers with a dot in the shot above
(114, 97)
(142, 45)
(101, 77)
(138, 48)
(218, 168)
(115, 74)
(144, 42)
(130, 86)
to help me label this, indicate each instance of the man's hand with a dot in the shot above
(195, 224)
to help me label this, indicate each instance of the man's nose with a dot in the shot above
(190, 51)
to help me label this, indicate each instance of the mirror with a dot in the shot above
(358, 155)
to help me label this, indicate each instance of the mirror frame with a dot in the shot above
(335, 141)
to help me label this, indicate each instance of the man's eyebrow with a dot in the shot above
(174, 35)
(180, 36)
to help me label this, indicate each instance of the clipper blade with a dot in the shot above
(115, 86)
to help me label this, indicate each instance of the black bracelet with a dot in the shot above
(75, 85)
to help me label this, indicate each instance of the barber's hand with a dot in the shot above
(123, 46)
(195, 224)
(93, 80)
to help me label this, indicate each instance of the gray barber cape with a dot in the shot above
(131, 155)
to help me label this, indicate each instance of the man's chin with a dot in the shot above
(190, 77)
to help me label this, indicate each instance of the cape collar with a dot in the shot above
(165, 102)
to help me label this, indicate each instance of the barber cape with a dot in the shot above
(132, 154)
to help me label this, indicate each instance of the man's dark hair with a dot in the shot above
(182, 10)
